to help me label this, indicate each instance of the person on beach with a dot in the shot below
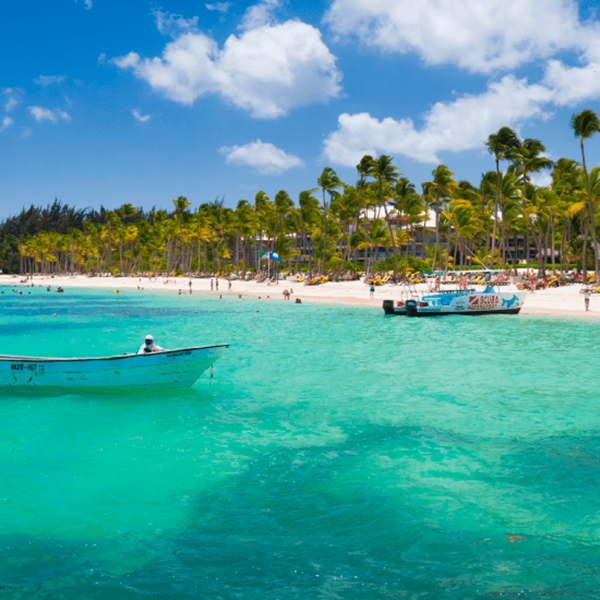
(586, 298)
(229, 288)
(190, 286)
(149, 346)
(217, 284)
(371, 291)
(211, 285)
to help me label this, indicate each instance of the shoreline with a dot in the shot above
(565, 301)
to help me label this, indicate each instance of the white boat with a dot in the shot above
(162, 369)
(460, 302)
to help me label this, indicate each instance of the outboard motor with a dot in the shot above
(388, 307)
(411, 307)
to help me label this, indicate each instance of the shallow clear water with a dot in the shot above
(335, 454)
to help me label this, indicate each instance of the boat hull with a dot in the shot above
(165, 369)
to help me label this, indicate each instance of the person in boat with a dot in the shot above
(149, 346)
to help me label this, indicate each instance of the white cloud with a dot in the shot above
(259, 14)
(174, 25)
(46, 80)
(45, 114)
(267, 71)
(12, 98)
(139, 116)
(575, 84)
(264, 158)
(542, 179)
(88, 4)
(475, 35)
(220, 6)
(457, 126)
(102, 59)
(6, 123)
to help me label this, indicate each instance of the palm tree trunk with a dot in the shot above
(324, 232)
(591, 217)
(496, 211)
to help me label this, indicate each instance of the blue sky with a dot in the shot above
(105, 102)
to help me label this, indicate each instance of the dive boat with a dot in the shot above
(163, 369)
(459, 302)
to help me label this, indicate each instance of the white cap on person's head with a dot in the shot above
(149, 337)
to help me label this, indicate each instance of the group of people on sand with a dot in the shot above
(287, 293)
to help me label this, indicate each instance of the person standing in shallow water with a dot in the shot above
(190, 286)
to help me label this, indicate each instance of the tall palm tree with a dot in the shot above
(528, 157)
(565, 181)
(584, 125)
(309, 211)
(344, 207)
(502, 145)
(328, 182)
(283, 203)
(386, 174)
(442, 186)
(260, 201)
(364, 169)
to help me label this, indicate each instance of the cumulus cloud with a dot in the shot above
(267, 159)
(46, 80)
(259, 14)
(475, 35)
(12, 96)
(219, 6)
(174, 25)
(139, 116)
(6, 123)
(87, 4)
(45, 114)
(267, 71)
(455, 126)
(572, 85)
(543, 179)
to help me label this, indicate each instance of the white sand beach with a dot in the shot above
(566, 301)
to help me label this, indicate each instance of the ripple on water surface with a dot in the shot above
(336, 454)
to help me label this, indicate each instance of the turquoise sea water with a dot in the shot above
(336, 454)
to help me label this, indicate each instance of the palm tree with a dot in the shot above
(442, 186)
(364, 169)
(386, 174)
(376, 235)
(528, 157)
(309, 211)
(565, 181)
(343, 206)
(260, 202)
(328, 182)
(584, 125)
(502, 145)
(243, 221)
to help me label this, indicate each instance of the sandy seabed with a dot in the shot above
(566, 301)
